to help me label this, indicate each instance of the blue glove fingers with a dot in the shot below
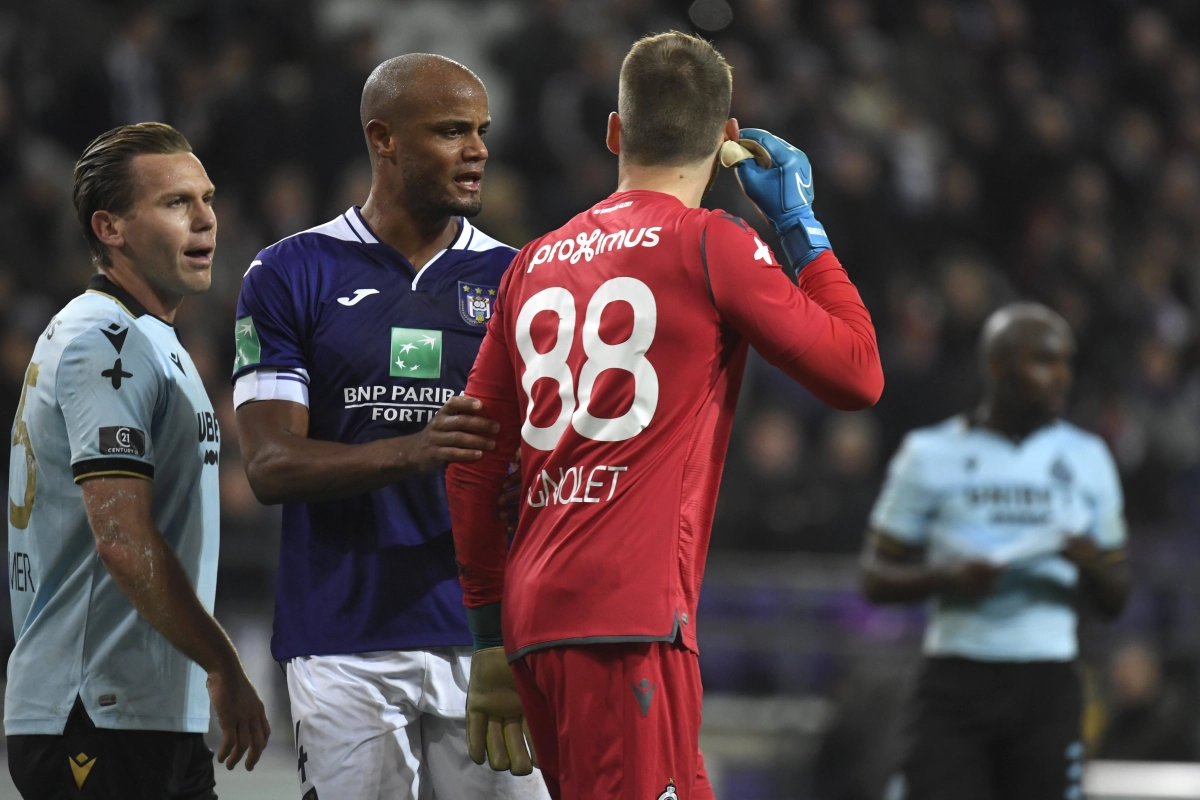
(791, 170)
(779, 150)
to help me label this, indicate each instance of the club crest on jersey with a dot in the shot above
(475, 303)
(669, 793)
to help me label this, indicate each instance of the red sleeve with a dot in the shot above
(819, 333)
(473, 489)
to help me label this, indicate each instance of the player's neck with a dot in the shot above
(687, 183)
(1012, 423)
(417, 239)
(158, 303)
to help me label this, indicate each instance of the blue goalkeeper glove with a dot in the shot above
(783, 193)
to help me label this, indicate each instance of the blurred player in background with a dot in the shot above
(613, 361)
(113, 545)
(353, 341)
(1003, 518)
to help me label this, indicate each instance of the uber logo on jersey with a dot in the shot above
(122, 441)
(206, 425)
(475, 303)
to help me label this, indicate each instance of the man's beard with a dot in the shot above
(426, 196)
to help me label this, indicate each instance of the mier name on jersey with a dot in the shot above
(558, 491)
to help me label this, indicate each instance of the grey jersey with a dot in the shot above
(109, 391)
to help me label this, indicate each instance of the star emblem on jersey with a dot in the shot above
(416, 353)
(643, 690)
(762, 252)
(116, 374)
(81, 767)
(476, 302)
(246, 343)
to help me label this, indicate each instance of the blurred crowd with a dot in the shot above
(965, 153)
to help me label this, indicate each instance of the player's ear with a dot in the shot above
(732, 131)
(107, 227)
(380, 139)
(613, 137)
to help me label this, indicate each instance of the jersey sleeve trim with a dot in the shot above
(271, 384)
(100, 467)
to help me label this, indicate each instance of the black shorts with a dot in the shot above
(994, 731)
(90, 763)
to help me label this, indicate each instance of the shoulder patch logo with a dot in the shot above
(476, 302)
(246, 344)
(122, 441)
(762, 252)
(741, 223)
(116, 374)
(416, 353)
(115, 335)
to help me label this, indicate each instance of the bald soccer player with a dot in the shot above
(354, 341)
(1004, 518)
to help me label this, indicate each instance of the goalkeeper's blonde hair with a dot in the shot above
(674, 99)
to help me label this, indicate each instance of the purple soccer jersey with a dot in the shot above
(346, 325)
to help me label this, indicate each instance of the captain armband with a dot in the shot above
(271, 384)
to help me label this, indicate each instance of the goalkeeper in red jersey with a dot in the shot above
(613, 361)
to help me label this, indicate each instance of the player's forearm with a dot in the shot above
(480, 538)
(296, 469)
(1106, 584)
(150, 575)
(886, 581)
(842, 366)
(148, 572)
(894, 584)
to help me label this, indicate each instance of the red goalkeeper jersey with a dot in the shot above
(613, 359)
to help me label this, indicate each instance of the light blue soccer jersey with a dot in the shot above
(964, 491)
(109, 391)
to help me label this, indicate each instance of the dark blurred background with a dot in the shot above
(966, 154)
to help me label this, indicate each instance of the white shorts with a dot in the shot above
(391, 725)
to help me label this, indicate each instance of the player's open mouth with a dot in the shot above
(200, 255)
(469, 180)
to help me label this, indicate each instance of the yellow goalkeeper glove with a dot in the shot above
(495, 720)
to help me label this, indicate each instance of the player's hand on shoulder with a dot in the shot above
(456, 433)
(241, 715)
(972, 579)
(496, 728)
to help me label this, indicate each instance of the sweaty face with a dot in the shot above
(171, 231)
(1039, 372)
(441, 149)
